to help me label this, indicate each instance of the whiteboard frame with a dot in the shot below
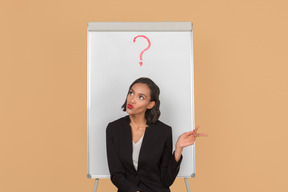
(139, 26)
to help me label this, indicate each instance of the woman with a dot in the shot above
(154, 167)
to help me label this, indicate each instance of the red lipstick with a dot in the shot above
(130, 106)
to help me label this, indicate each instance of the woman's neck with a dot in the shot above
(137, 120)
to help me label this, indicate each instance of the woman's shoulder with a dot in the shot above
(162, 126)
(118, 122)
(124, 119)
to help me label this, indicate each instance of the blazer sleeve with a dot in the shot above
(117, 172)
(169, 166)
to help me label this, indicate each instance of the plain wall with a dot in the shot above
(241, 91)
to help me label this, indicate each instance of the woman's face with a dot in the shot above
(138, 99)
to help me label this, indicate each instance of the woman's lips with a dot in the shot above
(130, 106)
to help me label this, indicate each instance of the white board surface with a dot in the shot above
(113, 64)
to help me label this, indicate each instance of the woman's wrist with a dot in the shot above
(178, 153)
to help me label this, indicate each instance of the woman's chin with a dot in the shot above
(129, 111)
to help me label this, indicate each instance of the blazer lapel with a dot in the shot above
(144, 147)
(129, 144)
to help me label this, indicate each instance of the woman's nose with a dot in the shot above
(133, 99)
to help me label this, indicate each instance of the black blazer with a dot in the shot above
(157, 167)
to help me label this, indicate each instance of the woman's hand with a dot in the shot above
(188, 138)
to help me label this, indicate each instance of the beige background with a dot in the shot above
(241, 90)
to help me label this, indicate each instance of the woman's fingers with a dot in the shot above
(195, 134)
(190, 132)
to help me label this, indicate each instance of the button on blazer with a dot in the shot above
(157, 167)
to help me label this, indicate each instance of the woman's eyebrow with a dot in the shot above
(139, 93)
(142, 94)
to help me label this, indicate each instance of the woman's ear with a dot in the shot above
(151, 105)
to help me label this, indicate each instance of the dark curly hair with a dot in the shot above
(153, 114)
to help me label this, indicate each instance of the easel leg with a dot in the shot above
(95, 184)
(187, 184)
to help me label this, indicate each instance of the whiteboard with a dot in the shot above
(112, 66)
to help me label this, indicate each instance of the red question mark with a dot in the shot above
(144, 49)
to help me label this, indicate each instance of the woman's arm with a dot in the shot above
(178, 153)
(116, 169)
(169, 166)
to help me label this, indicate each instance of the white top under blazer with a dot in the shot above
(136, 151)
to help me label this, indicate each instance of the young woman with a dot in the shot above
(139, 146)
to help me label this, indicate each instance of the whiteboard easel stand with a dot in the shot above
(96, 184)
(186, 182)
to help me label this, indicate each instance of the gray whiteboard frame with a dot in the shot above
(139, 26)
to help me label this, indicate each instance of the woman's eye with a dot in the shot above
(130, 93)
(141, 97)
